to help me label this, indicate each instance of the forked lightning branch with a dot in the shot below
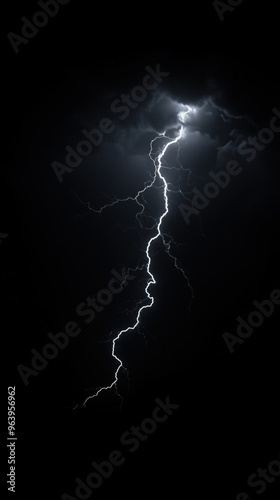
(157, 159)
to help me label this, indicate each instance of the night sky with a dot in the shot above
(64, 238)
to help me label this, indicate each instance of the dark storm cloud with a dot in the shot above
(211, 134)
(213, 130)
(120, 166)
(219, 115)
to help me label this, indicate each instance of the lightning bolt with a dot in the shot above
(157, 159)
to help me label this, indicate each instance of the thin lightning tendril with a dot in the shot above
(157, 159)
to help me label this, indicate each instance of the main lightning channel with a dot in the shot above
(157, 161)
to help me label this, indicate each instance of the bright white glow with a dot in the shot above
(184, 116)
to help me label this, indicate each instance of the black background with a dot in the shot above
(227, 425)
